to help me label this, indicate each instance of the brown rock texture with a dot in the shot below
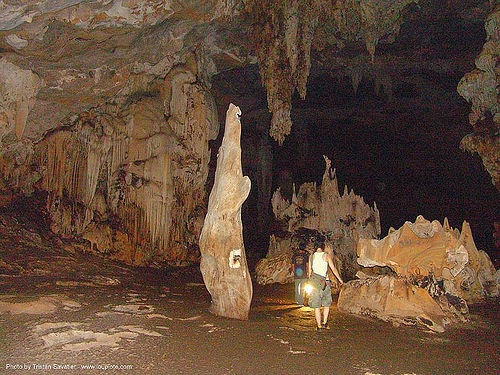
(392, 299)
(480, 88)
(101, 103)
(129, 177)
(223, 261)
(341, 219)
(428, 249)
(436, 270)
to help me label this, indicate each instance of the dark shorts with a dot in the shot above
(320, 296)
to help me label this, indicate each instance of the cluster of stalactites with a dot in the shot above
(283, 32)
(75, 159)
(480, 88)
(369, 21)
(381, 76)
(145, 162)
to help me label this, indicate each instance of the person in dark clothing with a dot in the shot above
(299, 261)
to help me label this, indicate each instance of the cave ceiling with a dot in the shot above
(86, 53)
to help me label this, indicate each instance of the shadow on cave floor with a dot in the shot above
(60, 309)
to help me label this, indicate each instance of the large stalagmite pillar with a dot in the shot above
(223, 262)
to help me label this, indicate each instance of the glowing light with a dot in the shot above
(308, 288)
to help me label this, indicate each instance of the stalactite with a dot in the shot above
(283, 32)
(144, 163)
(480, 88)
(283, 35)
(356, 77)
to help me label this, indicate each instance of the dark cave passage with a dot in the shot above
(403, 153)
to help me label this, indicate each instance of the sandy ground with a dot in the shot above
(157, 323)
(79, 314)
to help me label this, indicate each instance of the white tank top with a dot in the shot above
(319, 266)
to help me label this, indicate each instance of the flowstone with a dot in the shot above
(130, 177)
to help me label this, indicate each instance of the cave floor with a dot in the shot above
(60, 310)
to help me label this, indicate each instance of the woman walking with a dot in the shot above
(321, 294)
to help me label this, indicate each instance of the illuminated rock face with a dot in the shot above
(130, 178)
(480, 88)
(341, 219)
(436, 270)
(393, 299)
(223, 261)
(427, 249)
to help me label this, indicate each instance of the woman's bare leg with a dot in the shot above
(317, 315)
(326, 311)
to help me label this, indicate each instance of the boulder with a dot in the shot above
(431, 272)
(422, 249)
(392, 299)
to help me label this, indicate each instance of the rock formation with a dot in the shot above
(392, 299)
(283, 33)
(480, 87)
(436, 270)
(341, 219)
(99, 100)
(130, 176)
(223, 261)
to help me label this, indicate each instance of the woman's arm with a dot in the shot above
(309, 266)
(334, 269)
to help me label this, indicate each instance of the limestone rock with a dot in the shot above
(283, 33)
(324, 209)
(223, 261)
(392, 299)
(480, 88)
(129, 81)
(436, 270)
(275, 269)
(423, 249)
(18, 89)
(131, 179)
(341, 219)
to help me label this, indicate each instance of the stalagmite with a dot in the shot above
(341, 219)
(223, 261)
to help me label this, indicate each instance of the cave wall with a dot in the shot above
(421, 171)
(480, 88)
(101, 104)
(129, 177)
